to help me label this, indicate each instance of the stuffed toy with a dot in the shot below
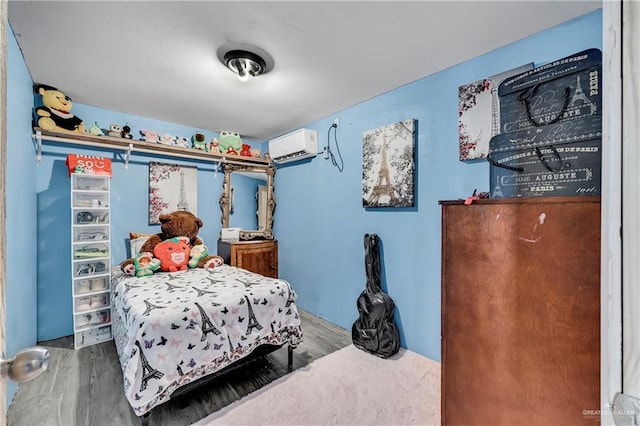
(96, 130)
(166, 139)
(115, 130)
(53, 111)
(214, 147)
(246, 150)
(146, 264)
(229, 142)
(173, 254)
(198, 141)
(172, 225)
(255, 153)
(150, 136)
(198, 253)
(126, 132)
(182, 141)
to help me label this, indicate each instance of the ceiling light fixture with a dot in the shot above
(245, 64)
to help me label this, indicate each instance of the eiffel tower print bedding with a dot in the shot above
(171, 329)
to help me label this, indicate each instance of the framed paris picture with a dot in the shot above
(171, 187)
(388, 165)
(479, 113)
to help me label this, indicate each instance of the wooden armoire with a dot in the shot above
(521, 311)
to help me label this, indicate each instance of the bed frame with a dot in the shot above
(258, 352)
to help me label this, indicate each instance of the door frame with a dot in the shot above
(3, 194)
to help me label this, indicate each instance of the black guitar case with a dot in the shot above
(375, 331)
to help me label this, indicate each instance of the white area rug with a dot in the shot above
(347, 387)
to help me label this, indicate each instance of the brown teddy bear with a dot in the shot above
(172, 225)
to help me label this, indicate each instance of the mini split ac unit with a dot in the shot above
(294, 146)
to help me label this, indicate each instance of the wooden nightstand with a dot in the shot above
(256, 256)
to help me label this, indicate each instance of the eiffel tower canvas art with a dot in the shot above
(171, 187)
(479, 113)
(388, 164)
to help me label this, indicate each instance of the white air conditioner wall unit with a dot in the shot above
(294, 146)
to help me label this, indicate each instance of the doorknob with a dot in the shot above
(28, 364)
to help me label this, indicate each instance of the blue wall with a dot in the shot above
(21, 240)
(320, 222)
(129, 209)
(319, 219)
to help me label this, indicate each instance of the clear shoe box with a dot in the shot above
(89, 285)
(92, 336)
(92, 319)
(91, 303)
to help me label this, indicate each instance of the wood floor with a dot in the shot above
(84, 387)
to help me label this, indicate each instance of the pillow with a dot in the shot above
(134, 235)
(136, 241)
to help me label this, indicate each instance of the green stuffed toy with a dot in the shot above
(146, 264)
(229, 142)
(198, 252)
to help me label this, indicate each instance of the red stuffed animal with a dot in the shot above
(173, 254)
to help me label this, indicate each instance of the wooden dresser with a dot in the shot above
(521, 311)
(259, 256)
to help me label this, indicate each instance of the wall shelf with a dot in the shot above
(130, 146)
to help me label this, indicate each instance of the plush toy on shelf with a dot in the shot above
(182, 141)
(150, 136)
(255, 153)
(173, 225)
(126, 132)
(53, 111)
(229, 142)
(198, 141)
(96, 130)
(115, 130)
(246, 150)
(214, 146)
(166, 139)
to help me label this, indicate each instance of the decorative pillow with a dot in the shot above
(173, 253)
(136, 241)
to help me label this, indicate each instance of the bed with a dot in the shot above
(173, 328)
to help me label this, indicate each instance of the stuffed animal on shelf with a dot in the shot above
(198, 141)
(214, 147)
(255, 153)
(229, 142)
(96, 130)
(246, 150)
(126, 132)
(146, 264)
(166, 139)
(172, 225)
(150, 136)
(115, 130)
(182, 141)
(53, 111)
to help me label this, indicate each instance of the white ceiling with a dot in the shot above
(159, 59)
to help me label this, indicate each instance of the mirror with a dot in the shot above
(247, 200)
